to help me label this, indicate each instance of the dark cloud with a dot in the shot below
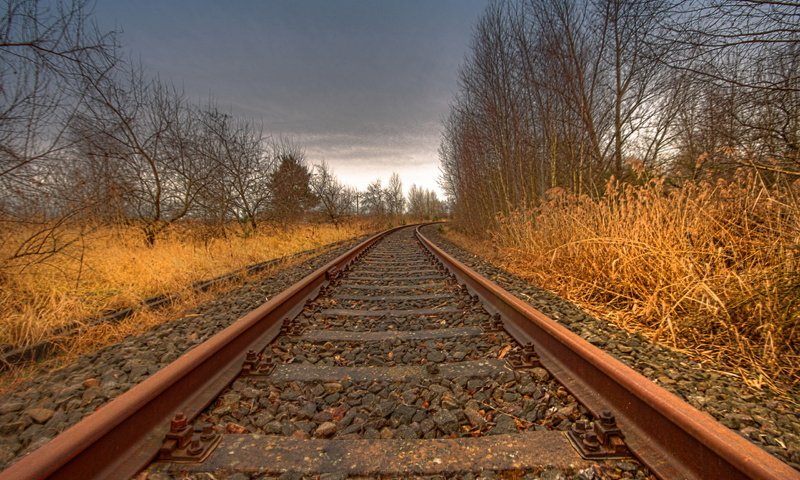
(359, 83)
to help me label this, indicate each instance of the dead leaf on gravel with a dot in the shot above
(337, 413)
(504, 351)
(234, 428)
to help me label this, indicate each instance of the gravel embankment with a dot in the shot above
(363, 363)
(38, 410)
(763, 417)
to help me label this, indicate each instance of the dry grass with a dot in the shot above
(112, 268)
(95, 337)
(710, 268)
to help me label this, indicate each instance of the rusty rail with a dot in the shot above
(13, 357)
(671, 437)
(668, 435)
(121, 437)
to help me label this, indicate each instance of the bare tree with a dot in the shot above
(747, 52)
(373, 199)
(47, 52)
(96, 184)
(153, 133)
(290, 183)
(336, 199)
(395, 201)
(424, 204)
(352, 198)
(554, 94)
(239, 184)
(703, 35)
(633, 58)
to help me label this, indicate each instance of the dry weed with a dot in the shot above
(93, 337)
(710, 268)
(112, 268)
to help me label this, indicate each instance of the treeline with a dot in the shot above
(568, 94)
(88, 138)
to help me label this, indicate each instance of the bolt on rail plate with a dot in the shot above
(182, 444)
(256, 364)
(601, 439)
(523, 358)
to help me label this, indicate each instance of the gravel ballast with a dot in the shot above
(765, 418)
(380, 407)
(38, 410)
(420, 361)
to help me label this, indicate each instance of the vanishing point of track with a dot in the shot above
(397, 360)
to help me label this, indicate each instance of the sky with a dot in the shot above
(363, 85)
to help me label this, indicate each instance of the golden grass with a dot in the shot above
(95, 337)
(112, 268)
(709, 268)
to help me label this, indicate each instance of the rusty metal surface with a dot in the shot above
(667, 434)
(125, 434)
(44, 349)
(246, 454)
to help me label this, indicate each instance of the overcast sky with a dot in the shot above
(363, 85)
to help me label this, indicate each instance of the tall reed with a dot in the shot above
(112, 267)
(710, 267)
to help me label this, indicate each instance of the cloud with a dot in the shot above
(360, 84)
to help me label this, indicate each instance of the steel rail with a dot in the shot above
(123, 436)
(671, 437)
(11, 357)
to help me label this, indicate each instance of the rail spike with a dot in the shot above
(526, 357)
(257, 364)
(496, 323)
(291, 328)
(601, 439)
(332, 274)
(184, 444)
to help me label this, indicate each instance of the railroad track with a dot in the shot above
(394, 361)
